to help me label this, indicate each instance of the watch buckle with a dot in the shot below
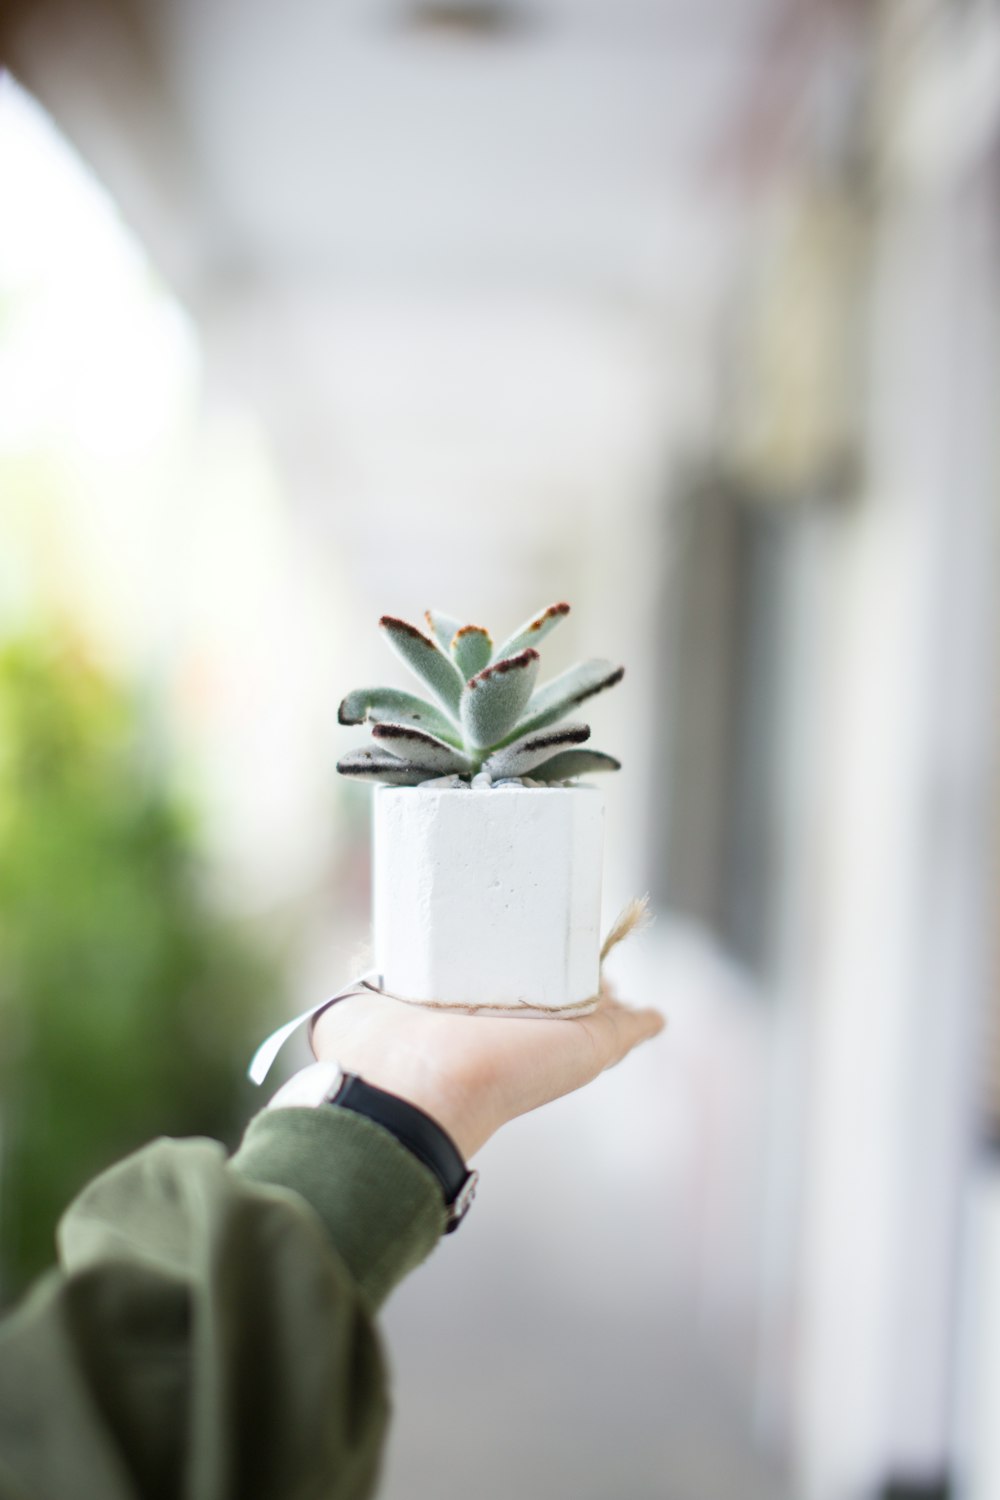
(459, 1207)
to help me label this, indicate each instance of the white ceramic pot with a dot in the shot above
(489, 898)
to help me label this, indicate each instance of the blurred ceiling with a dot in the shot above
(488, 228)
(396, 142)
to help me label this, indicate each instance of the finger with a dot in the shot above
(631, 1027)
(613, 1030)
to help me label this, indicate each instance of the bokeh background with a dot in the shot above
(685, 311)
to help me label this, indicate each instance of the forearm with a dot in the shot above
(392, 1215)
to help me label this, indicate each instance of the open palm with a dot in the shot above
(473, 1073)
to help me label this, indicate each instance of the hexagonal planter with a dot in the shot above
(489, 899)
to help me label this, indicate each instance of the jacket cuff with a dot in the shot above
(381, 1207)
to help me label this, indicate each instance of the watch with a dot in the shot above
(326, 1083)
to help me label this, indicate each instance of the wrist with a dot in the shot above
(457, 1107)
(441, 1104)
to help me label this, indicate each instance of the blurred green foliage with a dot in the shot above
(128, 1007)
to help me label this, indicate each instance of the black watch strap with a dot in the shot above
(419, 1134)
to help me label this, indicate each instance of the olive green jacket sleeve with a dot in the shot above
(208, 1333)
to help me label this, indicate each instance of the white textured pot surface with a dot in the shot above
(489, 898)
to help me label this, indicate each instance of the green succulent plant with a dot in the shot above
(488, 716)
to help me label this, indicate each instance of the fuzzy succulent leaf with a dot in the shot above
(471, 650)
(425, 657)
(521, 757)
(533, 630)
(380, 765)
(570, 763)
(382, 705)
(553, 701)
(494, 698)
(442, 627)
(420, 747)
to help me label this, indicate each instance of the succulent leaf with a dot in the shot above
(494, 698)
(564, 692)
(471, 649)
(442, 627)
(533, 630)
(380, 765)
(420, 747)
(425, 657)
(570, 763)
(521, 757)
(382, 705)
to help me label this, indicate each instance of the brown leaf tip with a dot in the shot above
(549, 614)
(610, 681)
(368, 760)
(559, 737)
(509, 664)
(390, 622)
(473, 630)
(401, 732)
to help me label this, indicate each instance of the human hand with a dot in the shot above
(474, 1073)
